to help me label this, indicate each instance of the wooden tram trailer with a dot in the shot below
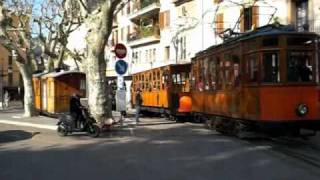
(164, 90)
(53, 90)
(257, 80)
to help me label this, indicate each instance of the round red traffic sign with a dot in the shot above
(120, 50)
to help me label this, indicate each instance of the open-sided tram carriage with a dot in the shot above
(267, 78)
(164, 90)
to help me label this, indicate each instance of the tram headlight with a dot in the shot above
(302, 109)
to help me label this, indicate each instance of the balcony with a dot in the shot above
(144, 35)
(144, 8)
(312, 26)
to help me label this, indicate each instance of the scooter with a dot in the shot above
(67, 124)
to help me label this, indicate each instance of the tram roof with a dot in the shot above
(162, 67)
(61, 73)
(271, 29)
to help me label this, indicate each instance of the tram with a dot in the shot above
(267, 78)
(164, 90)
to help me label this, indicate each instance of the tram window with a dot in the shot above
(273, 41)
(236, 74)
(178, 79)
(220, 74)
(212, 75)
(174, 78)
(253, 68)
(299, 41)
(158, 75)
(271, 68)
(183, 77)
(299, 67)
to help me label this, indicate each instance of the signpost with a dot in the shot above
(121, 68)
(120, 50)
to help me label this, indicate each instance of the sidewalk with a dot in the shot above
(13, 115)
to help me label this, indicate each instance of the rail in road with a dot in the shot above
(303, 152)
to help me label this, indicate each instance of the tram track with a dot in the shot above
(302, 151)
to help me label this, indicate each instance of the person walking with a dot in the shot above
(6, 99)
(138, 104)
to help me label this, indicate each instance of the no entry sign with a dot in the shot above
(120, 50)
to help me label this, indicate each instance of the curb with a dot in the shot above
(26, 124)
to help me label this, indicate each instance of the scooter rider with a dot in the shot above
(75, 109)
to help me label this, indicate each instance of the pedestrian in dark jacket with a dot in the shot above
(138, 104)
(75, 109)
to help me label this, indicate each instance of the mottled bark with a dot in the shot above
(26, 73)
(95, 65)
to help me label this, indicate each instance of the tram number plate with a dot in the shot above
(121, 100)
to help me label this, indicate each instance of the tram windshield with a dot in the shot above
(299, 67)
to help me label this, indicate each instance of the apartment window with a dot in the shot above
(167, 18)
(250, 18)
(183, 48)
(146, 56)
(122, 34)
(128, 32)
(154, 54)
(247, 16)
(302, 15)
(116, 37)
(167, 53)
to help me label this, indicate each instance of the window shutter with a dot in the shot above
(242, 20)
(161, 24)
(219, 23)
(255, 16)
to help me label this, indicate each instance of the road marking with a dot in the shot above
(40, 126)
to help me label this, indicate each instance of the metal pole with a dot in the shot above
(1, 87)
(202, 28)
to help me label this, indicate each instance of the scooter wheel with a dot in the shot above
(62, 131)
(94, 130)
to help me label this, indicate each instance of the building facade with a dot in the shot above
(10, 78)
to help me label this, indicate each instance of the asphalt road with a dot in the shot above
(162, 151)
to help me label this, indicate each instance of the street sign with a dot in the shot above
(121, 67)
(120, 82)
(121, 100)
(120, 50)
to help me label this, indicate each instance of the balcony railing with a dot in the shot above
(312, 26)
(144, 32)
(143, 4)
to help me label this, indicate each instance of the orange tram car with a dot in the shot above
(266, 79)
(164, 90)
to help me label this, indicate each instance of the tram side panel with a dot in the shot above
(250, 103)
(281, 103)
